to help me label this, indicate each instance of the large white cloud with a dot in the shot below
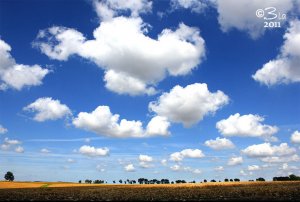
(123, 49)
(267, 150)
(186, 153)
(47, 108)
(241, 14)
(219, 143)
(286, 67)
(93, 152)
(295, 137)
(103, 122)
(233, 161)
(18, 76)
(3, 130)
(188, 105)
(246, 126)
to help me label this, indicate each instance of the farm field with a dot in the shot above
(49, 191)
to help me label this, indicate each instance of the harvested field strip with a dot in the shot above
(274, 191)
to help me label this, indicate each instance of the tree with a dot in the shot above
(141, 180)
(226, 180)
(260, 179)
(294, 177)
(79, 181)
(98, 181)
(120, 181)
(236, 179)
(87, 181)
(9, 176)
(204, 180)
(291, 177)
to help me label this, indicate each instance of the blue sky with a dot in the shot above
(126, 89)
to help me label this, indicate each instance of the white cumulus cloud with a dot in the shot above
(241, 14)
(47, 108)
(92, 151)
(18, 76)
(123, 49)
(281, 159)
(246, 126)
(12, 144)
(107, 9)
(267, 150)
(158, 125)
(145, 161)
(103, 122)
(235, 161)
(219, 143)
(188, 105)
(145, 158)
(285, 68)
(186, 153)
(295, 137)
(129, 168)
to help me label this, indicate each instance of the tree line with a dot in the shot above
(9, 176)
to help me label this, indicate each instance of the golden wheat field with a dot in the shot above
(58, 191)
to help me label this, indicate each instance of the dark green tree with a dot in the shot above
(294, 177)
(9, 176)
(260, 179)
(141, 180)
